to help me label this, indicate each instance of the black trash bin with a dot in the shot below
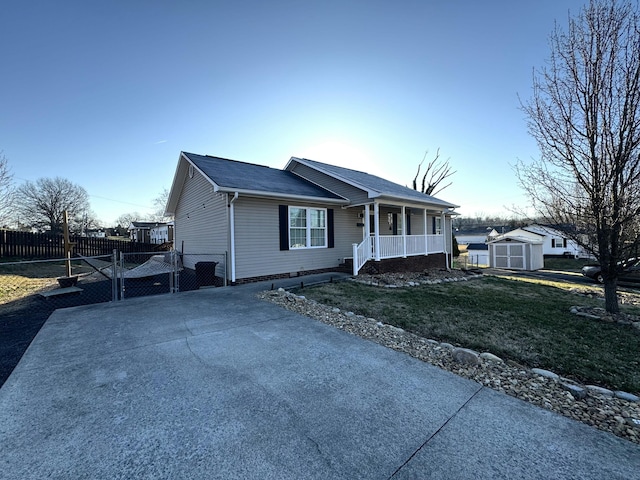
(206, 274)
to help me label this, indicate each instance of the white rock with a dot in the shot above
(605, 392)
(490, 357)
(281, 289)
(629, 397)
(574, 390)
(447, 345)
(464, 355)
(545, 373)
(349, 314)
(335, 310)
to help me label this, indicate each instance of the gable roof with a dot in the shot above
(230, 176)
(373, 185)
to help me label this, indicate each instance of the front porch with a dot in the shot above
(395, 246)
(427, 238)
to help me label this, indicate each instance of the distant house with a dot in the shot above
(151, 232)
(554, 242)
(161, 233)
(478, 234)
(141, 231)
(308, 217)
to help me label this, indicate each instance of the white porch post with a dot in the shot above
(367, 227)
(443, 228)
(426, 238)
(404, 232)
(376, 227)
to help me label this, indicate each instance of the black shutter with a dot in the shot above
(395, 223)
(564, 242)
(409, 223)
(284, 226)
(433, 230)
(330, 234)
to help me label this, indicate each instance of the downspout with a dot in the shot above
(232, 228)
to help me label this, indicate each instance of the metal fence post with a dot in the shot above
(114, 275)
(121, 275)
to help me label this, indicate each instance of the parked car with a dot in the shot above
(629, 273)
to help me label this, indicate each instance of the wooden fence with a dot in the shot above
(45, 246)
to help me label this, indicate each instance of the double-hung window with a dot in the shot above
(437, 226)
(307, 227)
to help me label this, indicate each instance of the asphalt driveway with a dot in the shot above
(217, 384)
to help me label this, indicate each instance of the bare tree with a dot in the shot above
(585, 116)
(6, 189)
(160, 205)
(435, 173)
(41, 204)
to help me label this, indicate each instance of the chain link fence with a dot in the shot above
(31, 290)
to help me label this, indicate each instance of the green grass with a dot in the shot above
(526, 322)
(566, 264)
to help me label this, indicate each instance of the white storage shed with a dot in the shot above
(516, 253)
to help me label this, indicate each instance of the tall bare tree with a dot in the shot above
(160, 205)
(435, 173)
(6, 189)
(585, 116)
(41, 204)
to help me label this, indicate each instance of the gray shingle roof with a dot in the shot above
(374, 184)
(232, 174)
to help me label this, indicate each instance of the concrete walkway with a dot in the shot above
(217, 384)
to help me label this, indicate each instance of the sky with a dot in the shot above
(107, 94)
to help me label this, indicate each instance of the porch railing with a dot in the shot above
(394, 246)
(362, 253)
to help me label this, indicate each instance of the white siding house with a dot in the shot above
(308, 217)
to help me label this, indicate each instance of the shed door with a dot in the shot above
(509, 256)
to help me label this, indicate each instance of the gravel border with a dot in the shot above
(615, 412)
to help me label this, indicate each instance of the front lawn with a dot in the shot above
(526, 322)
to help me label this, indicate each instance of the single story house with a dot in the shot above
(308, 217)
(479, 234)
(161, 233)
(151, 232)
(555, 243)
(140, 231)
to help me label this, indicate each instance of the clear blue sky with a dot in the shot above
(107, 94)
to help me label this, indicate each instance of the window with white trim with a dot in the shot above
(438, 226)
(307, 227)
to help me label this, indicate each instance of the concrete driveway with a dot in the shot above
(217, 384)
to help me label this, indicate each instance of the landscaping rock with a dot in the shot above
(335, 310)
(545, 373)
(447, 346)
(605, 392)
(578, 392)
(490, 357)
(629, 397)
(466, 356)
